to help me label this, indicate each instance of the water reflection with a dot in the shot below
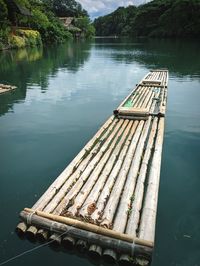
(34, 66)
(181, 57)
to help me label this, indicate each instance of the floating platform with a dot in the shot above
(105, 202)
(6, 88)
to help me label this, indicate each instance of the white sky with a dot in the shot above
(98, 8)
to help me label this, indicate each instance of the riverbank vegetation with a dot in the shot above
(158, 18)
(30, 22)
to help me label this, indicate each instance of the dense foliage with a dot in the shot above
(69, 8)
(165, 18)
(116, 23)
(42, 16)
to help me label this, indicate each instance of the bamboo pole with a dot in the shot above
(57, 204)
(85, 226)
(148, 218)
(140, 103)
(147, 102)
(133, 91)
(60, 180)
(133, 111)
(136, 95)
(123, 246)
(141, 94)
(106, 164)
(134, 214)
(61, 202)
(128, 189)
(106, 180)
(135, 209)
(113, 188)
(96, 250)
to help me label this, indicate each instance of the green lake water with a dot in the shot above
(64, 93)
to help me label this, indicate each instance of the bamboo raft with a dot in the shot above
(6, 88)
(104, 203)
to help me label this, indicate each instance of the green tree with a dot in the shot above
(85, 25)
(68, 8)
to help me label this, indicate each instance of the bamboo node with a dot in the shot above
(29, 218)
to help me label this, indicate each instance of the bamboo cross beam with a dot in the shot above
(139, 249)
(90, 227)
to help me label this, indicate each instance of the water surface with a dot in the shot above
(64, 93)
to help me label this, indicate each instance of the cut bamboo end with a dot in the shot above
(21, 229)
(68, 242)
(95, 252)
(31, 233)
(110, 256)
(126, 260)
(82, 246)
(55, 241)
(142, 262)
(42, 235)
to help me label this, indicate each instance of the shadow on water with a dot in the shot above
(35, 66)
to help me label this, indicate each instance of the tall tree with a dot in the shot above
(68, 8)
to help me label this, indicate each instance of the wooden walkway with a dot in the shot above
(105, 201)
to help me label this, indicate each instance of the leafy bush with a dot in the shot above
(24, 38)
(32, 37)
(17, 41)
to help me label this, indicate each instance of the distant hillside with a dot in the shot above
(165, 18)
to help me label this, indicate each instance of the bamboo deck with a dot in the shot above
(6, 88)
(105, 201)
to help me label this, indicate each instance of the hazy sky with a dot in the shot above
(98, 8)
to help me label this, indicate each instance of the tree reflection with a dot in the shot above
(181, 57)
(36, 65)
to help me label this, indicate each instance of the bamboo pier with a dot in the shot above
(104, 203)
(6, 88)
